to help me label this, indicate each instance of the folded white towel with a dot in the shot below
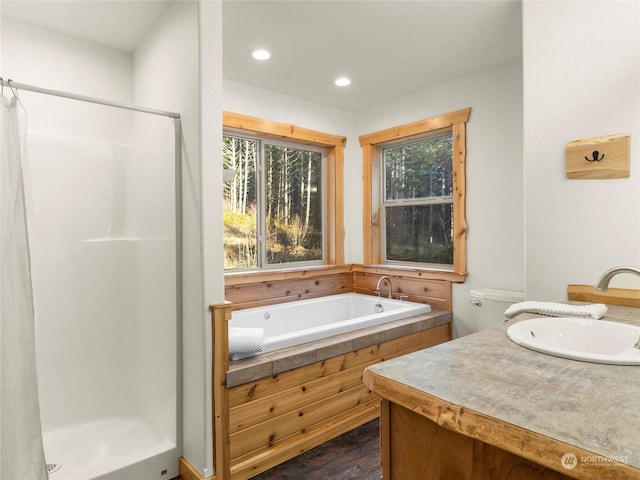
(245, 341)
(596, 310)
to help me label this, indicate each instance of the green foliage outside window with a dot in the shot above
(276, 195)
(418, 200)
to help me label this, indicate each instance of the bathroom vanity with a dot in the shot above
(482, 407)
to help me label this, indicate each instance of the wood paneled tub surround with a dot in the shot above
(274, 406)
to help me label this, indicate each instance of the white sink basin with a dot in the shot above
(597, 341)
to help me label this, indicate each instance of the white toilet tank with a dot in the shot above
(490, 304)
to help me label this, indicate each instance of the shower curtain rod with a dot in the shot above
(21, 86)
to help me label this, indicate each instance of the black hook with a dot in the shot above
(595, 158)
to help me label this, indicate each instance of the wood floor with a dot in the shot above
(354, 455)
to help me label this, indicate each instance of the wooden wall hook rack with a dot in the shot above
(606, 157)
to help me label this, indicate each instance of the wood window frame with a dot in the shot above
(334, 168)
(371, 155)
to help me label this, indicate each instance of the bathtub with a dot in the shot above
(289, 324)
(271, 407)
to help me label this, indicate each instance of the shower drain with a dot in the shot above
(53, 467)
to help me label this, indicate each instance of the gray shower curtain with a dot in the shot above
(21, 449)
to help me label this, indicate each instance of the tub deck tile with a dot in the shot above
(401, 330)
(294, 357)
(252, 369)
(368, 339)
(430, 322)
(272, 363)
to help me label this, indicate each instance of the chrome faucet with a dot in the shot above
(377, 290)
(603, 282)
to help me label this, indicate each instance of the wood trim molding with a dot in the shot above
(220, 316)
(187, 471)
(273, 129)
(242, 278)
(626, 297)
(410, 272)
(416, 128)
(459, 198)
(385, 444)
(335, 206)
(334, 172)
(372, 241)
(371, 206)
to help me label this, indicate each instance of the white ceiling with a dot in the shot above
(388, 48)
(119, 24)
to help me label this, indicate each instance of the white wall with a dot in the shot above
(212, 203)
(249, 100)
(40, 57)
(178, 68)
(581, 79)
(495, 242)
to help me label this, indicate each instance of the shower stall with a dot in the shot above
(104, 231)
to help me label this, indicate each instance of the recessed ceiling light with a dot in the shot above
(261, 54)
(342, 81)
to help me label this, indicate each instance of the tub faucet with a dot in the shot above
(603, 282)
(384, 277)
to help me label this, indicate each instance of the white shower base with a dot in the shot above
(119, 448)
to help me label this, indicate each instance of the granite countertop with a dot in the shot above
(593, 407)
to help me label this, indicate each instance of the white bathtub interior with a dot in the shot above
(103, 241)
(289, 324)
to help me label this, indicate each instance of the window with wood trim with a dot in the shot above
(283, 195)
(414, 194)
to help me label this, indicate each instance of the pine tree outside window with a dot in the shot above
(418, 200)
(274, 206)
